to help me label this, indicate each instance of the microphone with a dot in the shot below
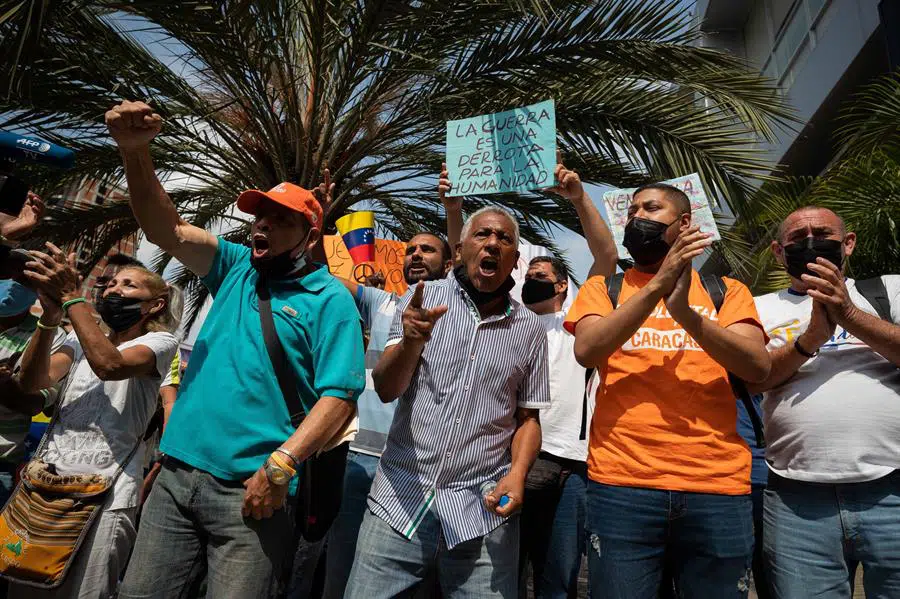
(22, 148)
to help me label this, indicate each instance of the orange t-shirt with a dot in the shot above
(665, 416)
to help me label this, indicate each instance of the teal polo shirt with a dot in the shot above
(230, 413)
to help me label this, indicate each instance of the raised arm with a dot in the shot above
(58, 279)
(133, 125)
(599, 238)
(452, 208)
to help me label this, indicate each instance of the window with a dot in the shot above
(793, 40)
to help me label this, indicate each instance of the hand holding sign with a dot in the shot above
(503, 152)
(444, 187)
(418, 322)
(568, 184)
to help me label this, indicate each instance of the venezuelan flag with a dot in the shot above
(357, 229)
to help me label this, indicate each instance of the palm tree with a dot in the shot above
(254, 93)
(862, 185)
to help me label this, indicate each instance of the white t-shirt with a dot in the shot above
(837, 419)
(561, 422)
(100, 422)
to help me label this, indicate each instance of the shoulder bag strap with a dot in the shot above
(277, 356)
(876, 294)
(716, 289)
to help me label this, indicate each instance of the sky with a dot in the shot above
(573, 244)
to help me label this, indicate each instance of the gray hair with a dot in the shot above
(467, 227)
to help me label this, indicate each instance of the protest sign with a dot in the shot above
(388, 260)
(514, 150)
(617, 201)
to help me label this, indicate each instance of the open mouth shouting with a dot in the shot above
(416, 270)
(260, 246)
(487, 267)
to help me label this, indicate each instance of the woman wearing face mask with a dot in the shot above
(107, 402)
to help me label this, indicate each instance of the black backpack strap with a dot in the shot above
(740, 389)
(277, 356)
(716, 289)
(876, 294)
(588, 373)
(613, 287)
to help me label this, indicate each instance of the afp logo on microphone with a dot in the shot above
(31, 144)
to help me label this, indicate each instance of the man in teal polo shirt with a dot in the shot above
(230, 446)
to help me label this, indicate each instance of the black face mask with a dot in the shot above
(281, 266)
(535, 291)
(798, 255)
(118, 312)
(644, 240)
(481, 298)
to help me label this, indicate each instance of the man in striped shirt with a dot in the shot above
(469, 366)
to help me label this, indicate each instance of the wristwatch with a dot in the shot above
(278, 471)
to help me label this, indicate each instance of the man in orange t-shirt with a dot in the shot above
(669, 474)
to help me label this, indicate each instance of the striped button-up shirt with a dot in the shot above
(453, 427)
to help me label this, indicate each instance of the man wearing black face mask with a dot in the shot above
(222, 488)
(468, 367)
(831, 418)
(669, 475)
(553, 517)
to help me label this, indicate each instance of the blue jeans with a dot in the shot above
(387, 565)
(817, 534)
(707, 540)
(192, 518)
(345, 531)
(553, 538)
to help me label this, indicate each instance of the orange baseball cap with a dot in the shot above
(287, 194)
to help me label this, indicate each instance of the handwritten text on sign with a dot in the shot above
(388, 260)
(514, 150)
(617, 201)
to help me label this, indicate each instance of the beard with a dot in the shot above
(422, 272)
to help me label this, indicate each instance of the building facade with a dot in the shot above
(820, 52)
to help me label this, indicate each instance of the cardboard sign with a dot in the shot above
(617, 201)
(514, 150)
(388, 260)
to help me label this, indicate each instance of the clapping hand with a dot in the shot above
(54, 274)
(28, 218)
(827, 286)
(690, 243)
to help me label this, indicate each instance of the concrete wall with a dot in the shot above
(836, 36)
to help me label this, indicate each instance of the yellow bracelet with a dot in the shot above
(47, 327)
(281, 462)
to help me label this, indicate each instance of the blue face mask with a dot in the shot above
(15, 298)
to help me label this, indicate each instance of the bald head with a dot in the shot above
(811, 221)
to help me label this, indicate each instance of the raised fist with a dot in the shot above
(133, 124)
